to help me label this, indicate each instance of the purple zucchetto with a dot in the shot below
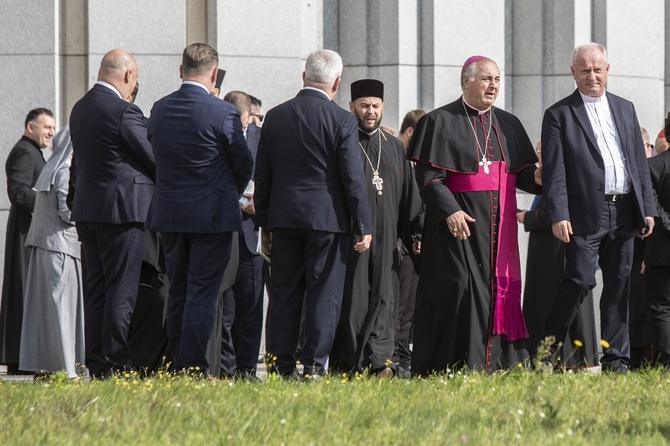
(470, 60)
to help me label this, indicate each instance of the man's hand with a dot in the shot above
(538, 175)
(521, 217)
(458, 224)
(249, 207)
(363, 242)
(562, 230)
(648, 228)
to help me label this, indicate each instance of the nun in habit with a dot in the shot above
(52, 334)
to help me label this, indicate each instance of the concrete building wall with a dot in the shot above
(50, 51)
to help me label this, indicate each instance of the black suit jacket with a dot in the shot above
(248, 220)
(23, 167)
(657, 251)
(309, 172)
(573, 174)
(113, 163)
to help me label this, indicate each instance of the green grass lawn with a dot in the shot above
(517, 407)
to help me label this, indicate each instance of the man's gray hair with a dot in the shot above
(579, 48)
(470, 71)
(323, 67)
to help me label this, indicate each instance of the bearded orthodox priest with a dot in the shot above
(365, 336)
(470, 158)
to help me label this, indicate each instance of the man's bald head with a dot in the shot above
(119, 68)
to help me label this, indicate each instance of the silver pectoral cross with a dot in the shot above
(377, 182)
(485, 163)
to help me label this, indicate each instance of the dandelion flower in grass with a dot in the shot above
(604, 343)
(578, 343)
(283, 421)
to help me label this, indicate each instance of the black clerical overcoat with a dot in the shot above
(452, 319)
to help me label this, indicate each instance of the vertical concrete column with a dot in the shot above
(73, 54)
(29, 68)
(156, 44)
(263, 47)
(637, 58)
(542, 38)
(450, 33)
(380, 39)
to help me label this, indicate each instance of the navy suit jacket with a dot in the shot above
(248, 220)
(202, 163)
(113, 163)
(573, 173)
(309, 170)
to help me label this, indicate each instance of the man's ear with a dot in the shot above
(181, 72)
(215, 72)
(336, 85)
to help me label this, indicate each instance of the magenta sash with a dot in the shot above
(508, 318)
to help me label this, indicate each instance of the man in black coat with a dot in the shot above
(312, 194)
(23, 166)
(657, 259)
(114, 174)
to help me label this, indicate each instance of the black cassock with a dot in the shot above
(23, 167)
(544, 270)
(365, 333)
(453, 316)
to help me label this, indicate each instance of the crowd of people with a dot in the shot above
(148, 243)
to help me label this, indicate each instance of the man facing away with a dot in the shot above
(598, 195)
(311, 193)
(113, 170)
(202, 167)
(23, 167)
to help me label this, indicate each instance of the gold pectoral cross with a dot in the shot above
(377, 182)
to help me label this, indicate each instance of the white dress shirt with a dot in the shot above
(617, 180)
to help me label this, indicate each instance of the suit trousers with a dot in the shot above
(243, 315)
(113, 256)
(611, 247)
(195, 265)
(657, 286)
(409, 280)
(309, 266)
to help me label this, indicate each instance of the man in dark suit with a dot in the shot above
(23, 167)
(598, 194)
(114, 175)
(657, 259)
(202, 167)
(243, 302)
(310, 188)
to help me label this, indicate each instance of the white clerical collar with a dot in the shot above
(602, 97)
(307, 87)
(481, 112)
(110, 86)
(198, 84)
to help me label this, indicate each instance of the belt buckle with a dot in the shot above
(615, 198)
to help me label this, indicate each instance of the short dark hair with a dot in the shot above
(240, 100)
(198, 59)
(255, 101)
(36, 113)
(410, 120)
(666, 128)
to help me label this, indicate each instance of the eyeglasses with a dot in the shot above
(260, 117)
